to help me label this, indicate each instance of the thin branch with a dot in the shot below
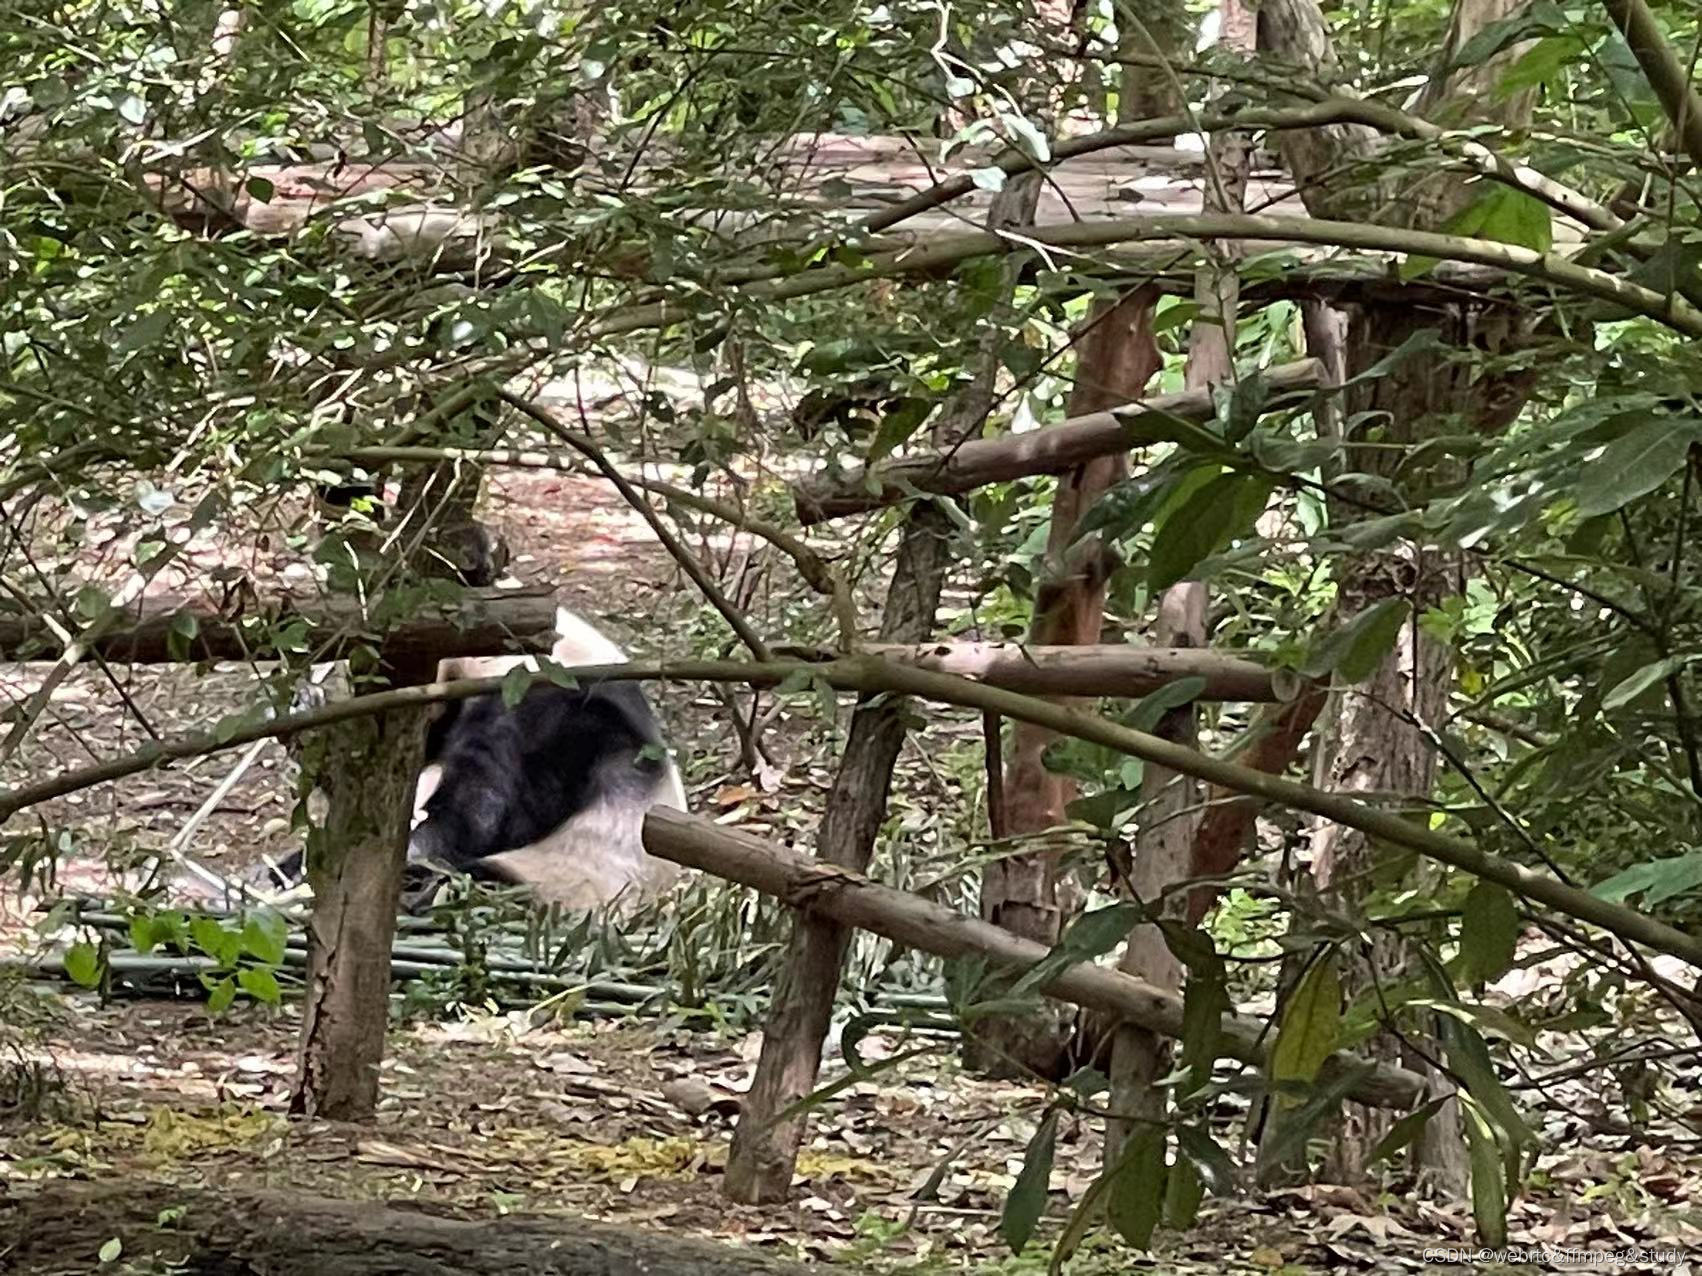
(868, 675)
(1333, 110)
(1661, 67)
(735, 619)
(944, 253)
(811, 566)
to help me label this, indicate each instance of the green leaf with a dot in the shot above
(1205, 999)
(109, 1252)
(1489, 1180)
(1657, 880)
(1354, 651)
(1629, 689)
(1404, 1131)
(261, 189)
(1311, 1024)
(1200, 527)
(515, 684)
(1215, 1168)
(82, 964)
(1091, 935)
(1155, 704)
(896, 428)
(1137, 1189)
(1634, 464)
(219, 999)
(142, 933)
(260, 984)
(223, 946)
(1027, 1201)
(1510, 216)
(1489, 932)
(265, 936)
(1295, 1126)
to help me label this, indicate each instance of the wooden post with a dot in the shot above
(1118, 355)
(355, 867)
(765, 1151)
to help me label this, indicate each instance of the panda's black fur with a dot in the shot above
(550, 793)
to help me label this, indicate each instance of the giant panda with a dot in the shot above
(550, 794)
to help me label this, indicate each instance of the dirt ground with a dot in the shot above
(628, 1121)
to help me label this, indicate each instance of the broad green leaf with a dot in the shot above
(1295, 1125)
(1657, 880)
(1354, 651)
(1027, 1201)
(1512, 217)
(1629, 689)
(1091, 935)
(1155, 704)
(1215, 1168)
(1634, 464)
(142, 933)
(82, 964)
(222, 994)
(1540, 18)
(1489, 1180)
(1136, 1199)
(1403, 1132)
(515, 684)
(265, 936)
(1196, 530)
(1204, 1003)
(1489, 931)
(110, 1251)
(223, 946)
(1311, 1024)
(260, 984)
(896, 427)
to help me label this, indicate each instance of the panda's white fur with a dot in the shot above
(596, 859)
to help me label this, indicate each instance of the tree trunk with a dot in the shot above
(1116, 357)
(355, 868)
(765, 1150)
(1372, 744)
(64, 1226)
(1164, 844)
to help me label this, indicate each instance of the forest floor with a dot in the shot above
(491, 1113)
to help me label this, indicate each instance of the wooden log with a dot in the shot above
(169, 628)
(853, 900)
(62, 1226)
(1053, 450)
(1102, 669)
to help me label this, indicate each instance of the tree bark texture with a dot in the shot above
(1116, 357)
(1371, 744)
(354, 864)
(1110, 669)
(1169, 815)
(1102, 425)
(850, 899)
(479, 623)
(62, 1226)
(764, 1153)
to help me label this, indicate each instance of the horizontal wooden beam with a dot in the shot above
(171, 628)
(853, 900)
(1053, 450)
(1109, 669)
